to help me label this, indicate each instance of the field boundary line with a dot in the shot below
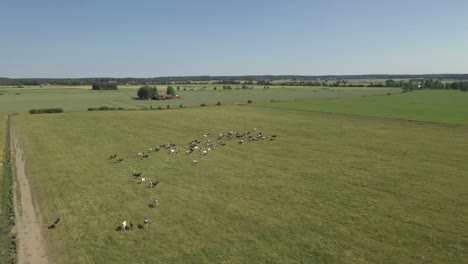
(374, 117)
(134, 105)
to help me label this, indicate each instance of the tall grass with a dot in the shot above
(7, 239)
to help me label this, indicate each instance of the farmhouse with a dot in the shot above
(164, 96)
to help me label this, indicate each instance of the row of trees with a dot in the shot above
(433, 84)
(147, 92)
(260, 79)
(104, 86)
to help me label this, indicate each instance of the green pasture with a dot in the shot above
(441, 106)
(21, 100)
(329, 189)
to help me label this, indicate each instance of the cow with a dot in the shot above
(113, 156)
(155, 203)
(143, 179)
(124, 225)
(119, 160)
(57, 222)
(194, 162)
(153, 184)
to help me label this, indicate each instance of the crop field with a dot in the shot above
(450, 107)
(330, 188)
(21, 100)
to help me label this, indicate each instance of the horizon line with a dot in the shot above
(240, 75)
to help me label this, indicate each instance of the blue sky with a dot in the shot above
(52, 38)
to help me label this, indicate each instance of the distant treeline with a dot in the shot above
(412, 85)
(46, 111)
(245, 79)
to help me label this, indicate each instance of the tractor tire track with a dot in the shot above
(31, 244)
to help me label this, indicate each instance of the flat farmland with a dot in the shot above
(73, 99)
(330, 188)
(450, 107)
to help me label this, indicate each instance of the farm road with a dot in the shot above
(31, 243)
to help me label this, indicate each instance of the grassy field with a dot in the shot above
(72, 99)
(330, 189)
(450, 107)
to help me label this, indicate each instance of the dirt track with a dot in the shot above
(31, 246)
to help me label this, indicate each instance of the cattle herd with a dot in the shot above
(195, 147)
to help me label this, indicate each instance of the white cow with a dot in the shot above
(124, 225)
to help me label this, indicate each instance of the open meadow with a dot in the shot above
(439, 106)
(80, 98)
(330, 189)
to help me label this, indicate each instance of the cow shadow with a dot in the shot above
(151, 205)
(119, 228)
(52, 226)
(140, 226)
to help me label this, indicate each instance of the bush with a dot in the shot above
(104, 86)
(249, 101)
(218, 103)
(46, 111)
(103, 108)
(159, 107)
(168, 106)
(181, 106)
(121, 108)
(92, 109)
(203, 105)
